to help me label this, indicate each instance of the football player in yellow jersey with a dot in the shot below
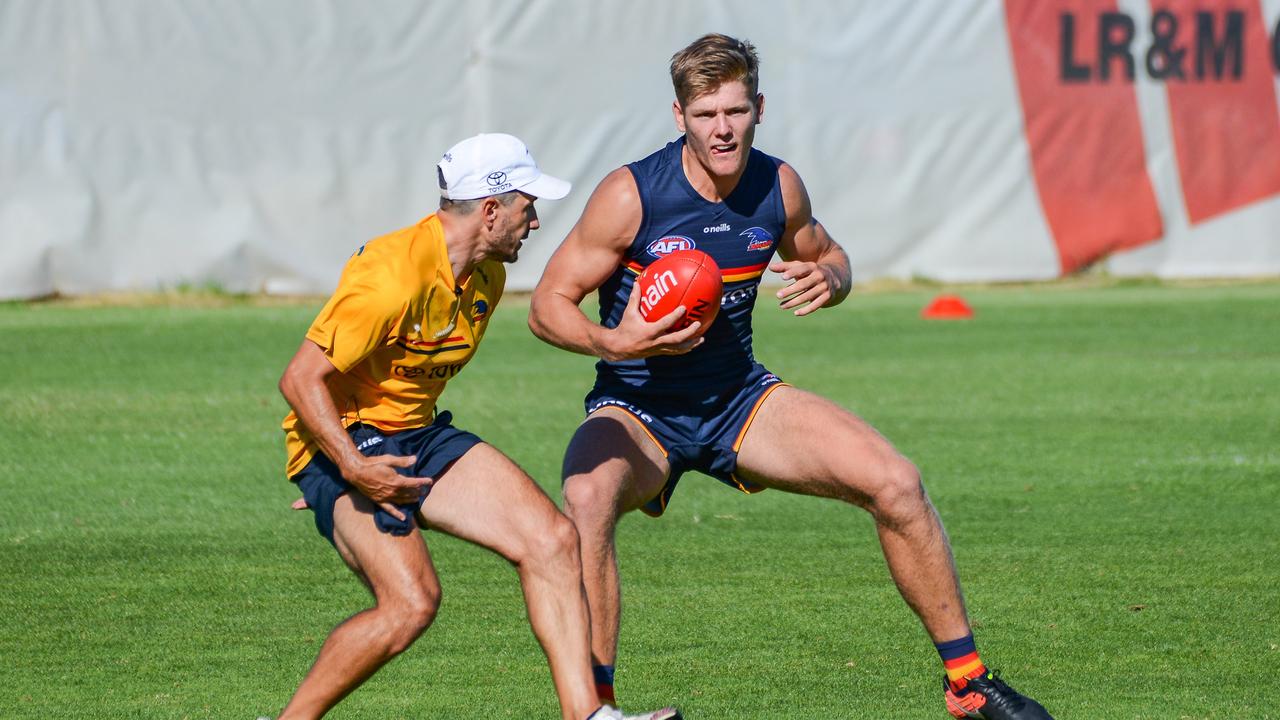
(374, 460)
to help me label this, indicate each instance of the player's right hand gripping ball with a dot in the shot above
(684, 277)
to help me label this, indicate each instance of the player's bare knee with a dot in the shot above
(410, 615)
(550, 544)
(586, 501)
(899, 497)
(558, 543)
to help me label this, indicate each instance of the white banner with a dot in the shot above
(254, 145)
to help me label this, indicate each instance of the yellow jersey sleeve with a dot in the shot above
(358, 320)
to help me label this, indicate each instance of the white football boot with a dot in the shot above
(608, 712)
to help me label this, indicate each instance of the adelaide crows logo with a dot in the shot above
(757, 238)
(479, 309)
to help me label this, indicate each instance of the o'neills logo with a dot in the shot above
(658, 289)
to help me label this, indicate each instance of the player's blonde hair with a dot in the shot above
(709, 62)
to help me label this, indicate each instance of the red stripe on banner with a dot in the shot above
(1085, 135)
(1226, 127)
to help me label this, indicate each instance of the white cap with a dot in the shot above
(492, 164)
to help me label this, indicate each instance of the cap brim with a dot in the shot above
(547, 187)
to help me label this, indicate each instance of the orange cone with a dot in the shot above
(947, 307)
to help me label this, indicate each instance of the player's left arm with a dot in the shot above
(817, 265)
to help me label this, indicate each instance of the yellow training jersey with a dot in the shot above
(397, 329)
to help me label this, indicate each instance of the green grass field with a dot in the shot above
(1107, 462)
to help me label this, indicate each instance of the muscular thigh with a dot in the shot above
(485, 498)
(613, 452)
(803, 443)
(390, 565)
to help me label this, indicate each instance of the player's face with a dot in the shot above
(720, 126)
(515, 221)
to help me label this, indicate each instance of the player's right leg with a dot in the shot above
(612, 466)
(398, 570)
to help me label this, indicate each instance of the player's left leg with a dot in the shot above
(803, 443)
(487, 499)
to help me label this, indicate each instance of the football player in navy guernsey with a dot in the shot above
(666, 402)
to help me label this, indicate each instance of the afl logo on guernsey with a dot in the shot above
(669, 244)
(757, 238)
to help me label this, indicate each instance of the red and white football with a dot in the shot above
(684, 277)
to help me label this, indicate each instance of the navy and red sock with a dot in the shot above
(960, 658)
(604, 683)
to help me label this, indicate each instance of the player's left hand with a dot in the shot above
(811, 285)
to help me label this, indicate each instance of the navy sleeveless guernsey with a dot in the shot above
(740, 233)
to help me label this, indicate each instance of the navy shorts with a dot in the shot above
(436, 446)
(694, 434)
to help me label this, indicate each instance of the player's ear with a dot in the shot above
(759, 108)
(489, 211)
(678, 113)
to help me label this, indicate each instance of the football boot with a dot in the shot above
(987, 697)
(608, 712)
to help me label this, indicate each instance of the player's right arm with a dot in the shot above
(592, 251)
(304, 386)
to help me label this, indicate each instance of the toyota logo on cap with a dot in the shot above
(492, 164)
